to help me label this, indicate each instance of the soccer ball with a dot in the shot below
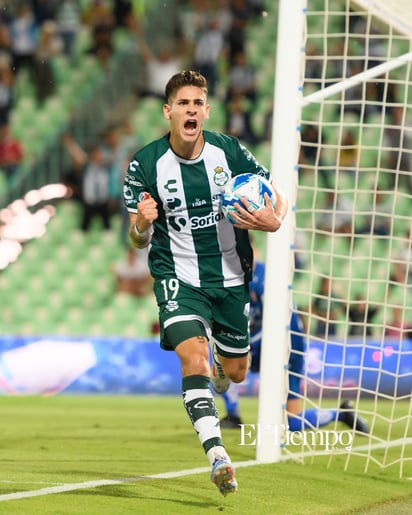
(248, 185)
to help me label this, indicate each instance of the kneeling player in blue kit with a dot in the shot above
(312, 418)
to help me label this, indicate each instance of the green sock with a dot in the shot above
(201, 408)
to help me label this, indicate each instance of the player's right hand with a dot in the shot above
(146, 213)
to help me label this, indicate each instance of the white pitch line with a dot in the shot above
(57, 489)
(14, 481)
(107, 482)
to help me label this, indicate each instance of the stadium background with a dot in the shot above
(58, 288)
(61, 282)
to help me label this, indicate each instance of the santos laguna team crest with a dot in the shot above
(221, 177)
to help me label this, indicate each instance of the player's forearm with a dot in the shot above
(139, 239)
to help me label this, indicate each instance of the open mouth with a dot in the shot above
(190, 126)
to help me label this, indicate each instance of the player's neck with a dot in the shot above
(187, 150)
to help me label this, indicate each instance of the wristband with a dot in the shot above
(140, 239)
(138, 233)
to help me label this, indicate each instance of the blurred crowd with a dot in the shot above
(207, 35)
(32, 34)
(211, 37)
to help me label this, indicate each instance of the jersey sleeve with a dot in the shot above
(246, 162)
(134, 188)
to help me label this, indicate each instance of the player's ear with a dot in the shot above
(166, 111)
(207, 111)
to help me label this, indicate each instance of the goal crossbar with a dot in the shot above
(354, 80)
(396, 13)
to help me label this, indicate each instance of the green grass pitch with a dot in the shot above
(67, 441)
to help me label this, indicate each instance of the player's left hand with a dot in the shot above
(268, 219)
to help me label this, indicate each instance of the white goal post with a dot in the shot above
(342, 151)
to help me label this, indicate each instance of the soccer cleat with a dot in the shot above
(230, 422)
(351, 419)
(223, 476)
(218, 378)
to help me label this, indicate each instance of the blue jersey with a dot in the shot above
(256, 286)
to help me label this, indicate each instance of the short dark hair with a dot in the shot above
(185, 78)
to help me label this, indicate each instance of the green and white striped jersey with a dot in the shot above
(192, 240)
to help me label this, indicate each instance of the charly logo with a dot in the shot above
(133, 165)
(221, 177)
(170, 186)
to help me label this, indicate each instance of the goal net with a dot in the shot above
(352, 267)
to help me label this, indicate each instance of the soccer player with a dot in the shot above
(297, 420)
(200, 262)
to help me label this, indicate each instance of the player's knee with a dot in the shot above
(238, 373)
(235, 368)
(238, 377)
